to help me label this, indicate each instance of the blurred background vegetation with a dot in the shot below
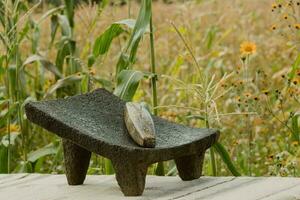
(232, 65)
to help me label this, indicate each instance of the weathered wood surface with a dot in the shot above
(55, 187)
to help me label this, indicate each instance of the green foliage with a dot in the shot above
(3, 159)
(54, 55)
(108, 167)
(103, 42)
(226, 158)
(128, 55)
(45, 63)
(61, 83)
(34, 156)
(69, 9)
(128, 82)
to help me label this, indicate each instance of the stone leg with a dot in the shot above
(190, 167)
(77, 161)
(131, 176)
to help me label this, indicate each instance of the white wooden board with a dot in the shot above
(55, 187)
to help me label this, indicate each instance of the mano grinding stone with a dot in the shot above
(139, 124)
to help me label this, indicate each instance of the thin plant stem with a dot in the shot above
(153, 70)
(8, 147)
(129, 8)
(19, 106)
(160, 166)
(211, 151)
(7, 92)
(8, 117)
(213, 162)
(190, 51)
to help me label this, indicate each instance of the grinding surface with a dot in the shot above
(95, 121)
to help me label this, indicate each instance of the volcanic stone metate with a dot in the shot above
(94, 122)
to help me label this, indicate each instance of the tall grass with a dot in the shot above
(193, 76)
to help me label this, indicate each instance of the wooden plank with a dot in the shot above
(292, 193)
(54, 187)
(247, 188)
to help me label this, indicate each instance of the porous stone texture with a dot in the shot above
(77, 160)
(95, 122)
(190, 167)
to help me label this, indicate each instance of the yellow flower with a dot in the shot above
(297, 26)
(295, 143)
(93, 71)
(14, 128)
(248, 48)
(266, 92)
(273, 27)
(274, 5)
(247, 94)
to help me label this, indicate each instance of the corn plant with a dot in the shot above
(128, 79)
(13, 14)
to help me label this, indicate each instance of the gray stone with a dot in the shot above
(139, 124)
(94, 122)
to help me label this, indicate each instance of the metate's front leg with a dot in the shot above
(77, 161)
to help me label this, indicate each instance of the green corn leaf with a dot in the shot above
(4, 116)
(103, 42)
(3, 159)
(24, 32)
(141, 25)
(108, 167)
(24, 167)
(66, 47)
(12, 73)
(54, 26)
(45, 63)
(69, 80)
(139, 29)
(127, 83)
(69, 8)
(50, 12)
(42, 152)
(35, 38)
(226, 158)
(91, 60)
(64, 25)
(84, 85)
(2, 69)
